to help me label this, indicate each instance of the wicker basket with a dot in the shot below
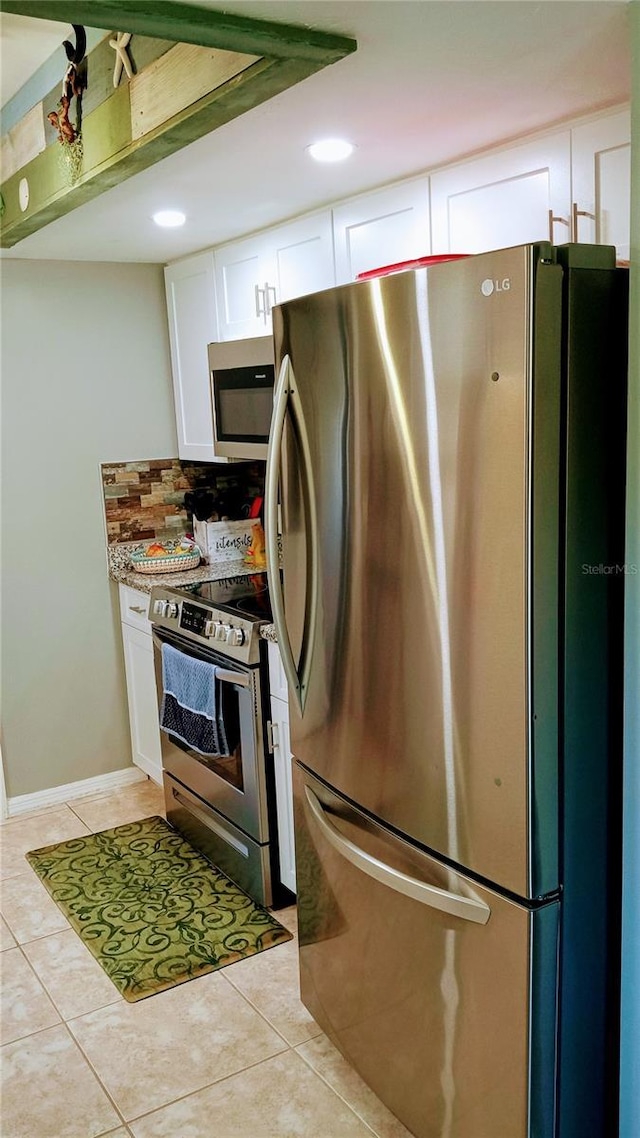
(169, 563)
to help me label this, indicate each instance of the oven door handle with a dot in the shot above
(233, 677)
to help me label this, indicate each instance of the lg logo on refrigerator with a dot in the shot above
(488, 287)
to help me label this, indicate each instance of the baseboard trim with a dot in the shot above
(40, 799)
(154, 770)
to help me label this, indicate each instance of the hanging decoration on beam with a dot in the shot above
(73, 85)
(120, 45)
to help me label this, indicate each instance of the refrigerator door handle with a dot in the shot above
(286, 398)
(468, 908)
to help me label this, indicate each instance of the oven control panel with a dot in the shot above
(227, 633)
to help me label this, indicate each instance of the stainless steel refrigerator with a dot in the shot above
(445, 482)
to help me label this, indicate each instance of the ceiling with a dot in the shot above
(431, 82)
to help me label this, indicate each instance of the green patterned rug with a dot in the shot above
(151, 909)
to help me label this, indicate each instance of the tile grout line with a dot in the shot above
(96, 1077)
(352, 1108)
(264, 1015)
(215, 1083)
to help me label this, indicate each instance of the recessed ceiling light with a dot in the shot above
(331, 150)
(169, 218)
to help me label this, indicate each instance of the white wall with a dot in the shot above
(630, 1047)
(85, 379)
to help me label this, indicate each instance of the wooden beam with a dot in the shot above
(186, 23)
(270, 59)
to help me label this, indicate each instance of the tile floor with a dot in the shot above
(233, 1054)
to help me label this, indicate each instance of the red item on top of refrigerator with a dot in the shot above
(402, 266)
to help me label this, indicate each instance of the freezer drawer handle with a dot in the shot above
(468, 908)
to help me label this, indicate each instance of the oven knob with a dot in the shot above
(221, 631)
(235, 636)
(172, 609)
(210, 627)
(158, 608)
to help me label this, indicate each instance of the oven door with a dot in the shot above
(234, 784)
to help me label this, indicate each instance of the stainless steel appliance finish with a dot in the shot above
(430, 429)
(389, 974)
(242, 377)
(418, 457)
(222, 803)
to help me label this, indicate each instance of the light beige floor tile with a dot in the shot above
(121, 1132)
(7, 940)
(150, 1053)
(270, 981)
(26, 1006)
(333, 1067)
(280, 1098)
(74, 980)
(102, 812)
(288, 917)
(28, 909)
(49, 1090)
(19, 835)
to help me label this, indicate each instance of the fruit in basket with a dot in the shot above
(155, 550)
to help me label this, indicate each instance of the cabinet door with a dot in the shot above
(191, 304)
(284, 791)
(274, 266)
(277, 677)
(381, 229)
(601, 173)
(241, 272)
(507, 198)
(143, 702)
(301, 258)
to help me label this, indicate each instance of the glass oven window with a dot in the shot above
(228, 766)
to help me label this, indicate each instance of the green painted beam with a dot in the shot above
(111, 157)
(186, 23)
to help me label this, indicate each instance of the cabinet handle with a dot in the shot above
(579, 213)
(138, 609)
(270, 288)
(273, 737)
(261, 310)
(560, 220)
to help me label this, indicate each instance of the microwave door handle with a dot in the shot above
(280, 403)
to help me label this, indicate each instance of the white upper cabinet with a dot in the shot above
(510, 197)
(382, 228)
(254, 274)
(191, 306)
(601, 166)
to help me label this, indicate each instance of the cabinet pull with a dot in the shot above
(560, 220)
(270, 288)
(579, 213)
(261, 310)
(138, 609)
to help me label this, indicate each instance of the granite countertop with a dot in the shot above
(120, 570)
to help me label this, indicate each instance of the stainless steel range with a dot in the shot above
(212, 684)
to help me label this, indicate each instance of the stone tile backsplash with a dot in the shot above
(144, 500)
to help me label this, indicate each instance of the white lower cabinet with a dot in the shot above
(141, 684)
(282, 768)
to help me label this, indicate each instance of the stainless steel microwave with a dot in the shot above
(242, 379)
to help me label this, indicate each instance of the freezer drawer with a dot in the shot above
(441, 993)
